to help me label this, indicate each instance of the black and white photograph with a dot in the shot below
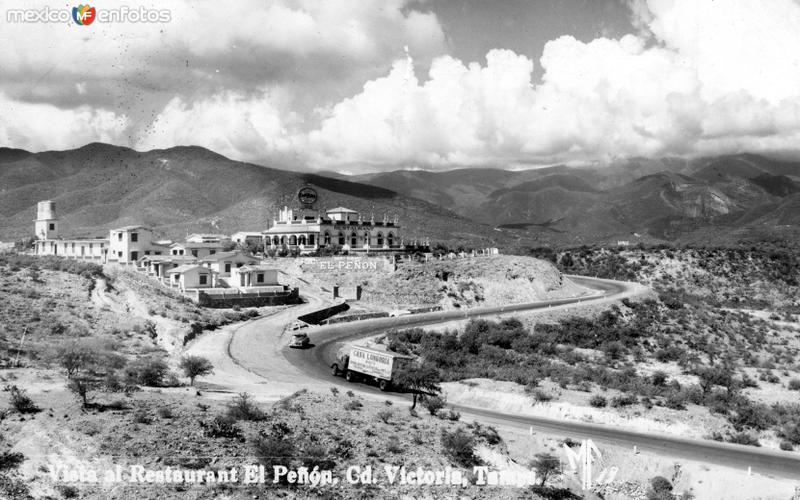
(400, 249)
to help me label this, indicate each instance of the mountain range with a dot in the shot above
(191, 189)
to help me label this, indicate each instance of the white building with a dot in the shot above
(207, 238)
(130, 243)
(49, 241)
(192, 276)
(225, 262)
(243, 237)
(255, 275)
(340, 227)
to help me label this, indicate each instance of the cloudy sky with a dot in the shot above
(359, 85)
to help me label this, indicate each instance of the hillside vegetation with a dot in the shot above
(723, 334)
(763, 277)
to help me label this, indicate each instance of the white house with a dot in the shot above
(199, 250)
(255, 275)
(130, 243)
(224, 262)
(191, 276)
(159, 265)
(244, 237)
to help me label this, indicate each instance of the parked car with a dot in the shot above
(300, 340)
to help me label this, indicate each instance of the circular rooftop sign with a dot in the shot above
(307, 196)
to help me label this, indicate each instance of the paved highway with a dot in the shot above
(327, 340)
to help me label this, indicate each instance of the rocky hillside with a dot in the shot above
(191, 189)
(457, 283)
(706, 199)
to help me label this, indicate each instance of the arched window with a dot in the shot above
(276, 241)
(366, 238)
(311, 239)
(380, 239)
(326, 238)
(293, 240)
(301, 240)
(353, 238)
(283, 240)
(341, 238)
(390, 239)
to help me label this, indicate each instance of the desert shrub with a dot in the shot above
(434, 403)
(459, 446)
(140, 416)
(541, 396)
(660, 489)
(222, 426)
(676, 400)
(10, 460)
(243, 408)
(317, 455)
(147, 371)
(745, 413)
(20, 400)
(451, 415)
(794, 384)
(768, 376)
(743, 438)
(385, 416)
(598, 401)
(623, 401)
(271, 450)
(393, 445)
(68, 491)
(786, 446)
(165, 412)
(659, 378)
(487, 433)
(553, 493)
(353, 405)
(790, 431)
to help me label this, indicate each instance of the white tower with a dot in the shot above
(46, 222)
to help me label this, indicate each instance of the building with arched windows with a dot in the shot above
(339, 227)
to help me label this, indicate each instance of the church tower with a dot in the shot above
(46, 222)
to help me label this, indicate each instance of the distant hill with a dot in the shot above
(190, 189)
(736, 197)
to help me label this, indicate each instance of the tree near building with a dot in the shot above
(419, 378)
(196, 366)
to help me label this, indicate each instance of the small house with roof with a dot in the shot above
(159, 265)
(192, 276)
(224, 262)
(255, 275)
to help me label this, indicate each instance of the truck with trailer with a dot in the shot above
(380, 367)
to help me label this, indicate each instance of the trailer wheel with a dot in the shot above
(335, 370)
(349, 376)
(383, 385)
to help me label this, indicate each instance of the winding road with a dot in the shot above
(259, 347)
